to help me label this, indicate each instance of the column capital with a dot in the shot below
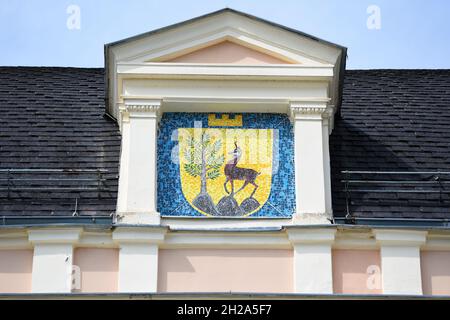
(139, 235)
(407, 238)
(134, 108)
(314, 110)
(323, 236)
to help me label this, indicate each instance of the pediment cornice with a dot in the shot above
(148, 56)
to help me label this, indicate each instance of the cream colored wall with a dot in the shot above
(99, 269)
(15, 271)
(207, 270)
(227, 52)
(435, 267)
(350, 271)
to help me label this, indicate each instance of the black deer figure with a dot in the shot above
(233, 172)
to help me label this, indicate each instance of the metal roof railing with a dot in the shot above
(394, 182)
(50, 185)
(52, 180)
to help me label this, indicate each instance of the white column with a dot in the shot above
(52, 259)
(138, 175)
(327, 116)
(310, 174)
(313, 271)
(138, 258)
(400, 260)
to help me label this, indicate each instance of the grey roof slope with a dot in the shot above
(394, 121)
(53, 118)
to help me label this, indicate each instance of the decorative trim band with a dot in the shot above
(310, 111)
(142, 108)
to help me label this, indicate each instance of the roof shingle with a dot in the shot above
(53, 118)
(393, 121)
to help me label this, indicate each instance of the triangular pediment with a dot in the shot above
(225, 44)
(227, 52)
(261, 40)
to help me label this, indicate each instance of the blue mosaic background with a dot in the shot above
(171, 201)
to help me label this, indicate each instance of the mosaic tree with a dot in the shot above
(204, 159)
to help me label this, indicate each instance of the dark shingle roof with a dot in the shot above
(394, 121)
(53, 118)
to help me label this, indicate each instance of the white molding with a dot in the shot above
(14, 240)
(152, 235)
(142, 108)
(195, 232)
(191, 229)
(234, 35)
(227, 26)
(392, 237)
(250, 100)
(437, 241)
(348, 239)
(309, 110)
(139, 218)
(96, 239)
(311, 236)
(226, 240)
(302, 218)
(218, 224)
(57, 236)
(244, 94)
(217, 71)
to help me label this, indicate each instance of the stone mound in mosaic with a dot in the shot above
(205, 203)
(229, 207)
(249, 205)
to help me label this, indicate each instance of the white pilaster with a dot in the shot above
(313, 198)
(326, 130)
(400, 260)
(138, 258)
(52, 259)
(137, 183)
(313, 271)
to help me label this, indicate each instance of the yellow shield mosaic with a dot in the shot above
(226, 170)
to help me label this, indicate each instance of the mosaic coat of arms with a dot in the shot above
(222, 165)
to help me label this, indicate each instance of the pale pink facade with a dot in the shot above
(352, 269)
(229, 270)
(225, 270)
(15, 271)
(99, 269)
(227, 52)
(435, 272)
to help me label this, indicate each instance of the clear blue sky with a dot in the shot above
(413, 33)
